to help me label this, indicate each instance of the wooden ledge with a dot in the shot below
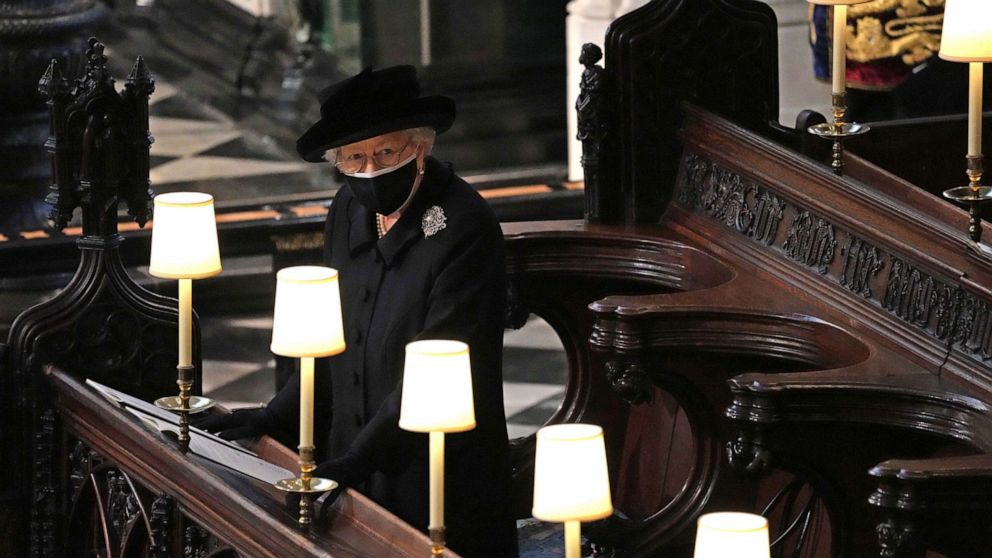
(877, 391)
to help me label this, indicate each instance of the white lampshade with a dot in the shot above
(741, 535)
(437, 387)
(837, 2)
(967, 33)
(571, 481)
(184, 236)
(307, 318)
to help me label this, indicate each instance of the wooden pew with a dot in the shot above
(133, 490)
(835, 377)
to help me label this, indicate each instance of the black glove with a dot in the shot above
(242, 423)
(348, 470)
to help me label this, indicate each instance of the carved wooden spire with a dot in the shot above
(99, 144)
(102, 324)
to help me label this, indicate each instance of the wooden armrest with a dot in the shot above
(958, 467)
(234, 507)
(878, 391)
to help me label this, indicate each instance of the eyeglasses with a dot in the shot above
(383, 158)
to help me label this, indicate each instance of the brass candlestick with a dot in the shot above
(965, 38)
(184, 404)
(307, 324)
(184, 247)
(838, 131)
(974, 194)
(437, 540)
(306, 485)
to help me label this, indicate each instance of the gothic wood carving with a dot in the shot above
(630, 380)
(32, 34)
(861, 264)
(591, 108)
(102, 323)
(44, 512)
(516, 312)
(898, 539)
(196, 542)
(811, 242)
(122, 503)
(747, 453)
(935, 305)
(729, 198)
(161, 524)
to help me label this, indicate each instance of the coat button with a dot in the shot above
(356, 378)
(356, 337)
(366, 294)
(358, 420)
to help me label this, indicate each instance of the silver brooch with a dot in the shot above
(433, 221)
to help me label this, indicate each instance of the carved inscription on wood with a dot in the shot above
(862, 263)
(938, 306)
(811, 242)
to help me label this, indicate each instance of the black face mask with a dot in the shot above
(384, 192)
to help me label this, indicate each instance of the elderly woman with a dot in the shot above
(420, 256)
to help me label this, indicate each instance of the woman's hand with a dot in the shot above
(242, 423)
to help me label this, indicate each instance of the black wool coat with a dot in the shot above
(407, 286)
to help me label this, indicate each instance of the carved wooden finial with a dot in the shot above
(140, 79)
(52, 83)
(96, 67)
(55, 87)
(99, 144)
(591, 108)
(590, 55)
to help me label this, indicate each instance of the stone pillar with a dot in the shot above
(587, 22)
(32, 33)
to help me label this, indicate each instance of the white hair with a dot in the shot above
(423, 135)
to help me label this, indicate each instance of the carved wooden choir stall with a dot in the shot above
(752, 331)
(82, 476)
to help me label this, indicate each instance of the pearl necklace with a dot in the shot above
(380, 224)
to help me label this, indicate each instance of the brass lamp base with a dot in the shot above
(316, 485)
(306, 486)
(197, 404)
(184, 403)
(967, 194)
(838, 131)
(974, 197)
(827, 130)
(437, 541)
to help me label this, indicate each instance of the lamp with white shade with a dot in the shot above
(437, 398)
(838, 130)
(184, 247)
(571, 479)
(307, 324)
(967, 37)
(722, 534)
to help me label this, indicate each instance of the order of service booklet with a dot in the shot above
(201, 443)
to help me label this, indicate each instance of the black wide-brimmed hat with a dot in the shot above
(373, 102)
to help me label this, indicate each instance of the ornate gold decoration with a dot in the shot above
(913, 34)
(902, 8)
